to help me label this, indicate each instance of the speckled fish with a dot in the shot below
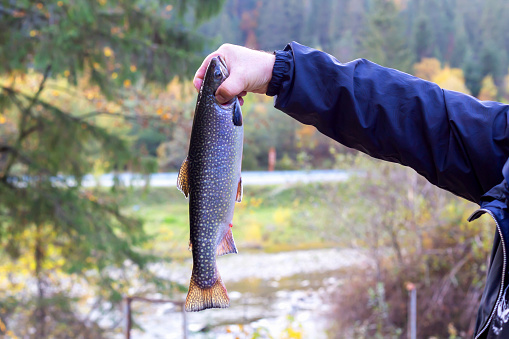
(210, 176)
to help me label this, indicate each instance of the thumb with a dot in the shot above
(229, 89)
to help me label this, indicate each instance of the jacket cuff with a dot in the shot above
(281, 68)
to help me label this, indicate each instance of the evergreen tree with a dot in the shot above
(280, 22)
(46, 215)
(473, 74)
(384, 42)
(423, 38)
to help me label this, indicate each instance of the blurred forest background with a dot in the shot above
(101, 86)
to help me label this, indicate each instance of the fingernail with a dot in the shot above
(220, 98)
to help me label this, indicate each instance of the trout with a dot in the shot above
(210, 177)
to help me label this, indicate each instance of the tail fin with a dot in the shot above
(199, 299)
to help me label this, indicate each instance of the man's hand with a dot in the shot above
(250, 71)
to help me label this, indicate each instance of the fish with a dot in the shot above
(210, 177)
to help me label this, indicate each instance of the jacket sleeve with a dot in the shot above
(454, 140)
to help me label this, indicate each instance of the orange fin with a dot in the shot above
(239, 191)
(183, 178)
(227, 245)
(199, 299)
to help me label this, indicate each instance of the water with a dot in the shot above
(269, 294)
(248, 178)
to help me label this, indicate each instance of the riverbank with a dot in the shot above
(270, 293)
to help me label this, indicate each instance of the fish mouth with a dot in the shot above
(223, 67)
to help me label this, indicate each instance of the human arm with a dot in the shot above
(454, 140)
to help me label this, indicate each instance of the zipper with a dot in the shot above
(499, 298)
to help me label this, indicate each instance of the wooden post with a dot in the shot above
(272, 159)
(412, 311)
(184, 321)
(128, 319)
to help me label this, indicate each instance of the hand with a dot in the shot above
(250, 71)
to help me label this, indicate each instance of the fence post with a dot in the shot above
(184, 321)
(128, 318)
(412, 311)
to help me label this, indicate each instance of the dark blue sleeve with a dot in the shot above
(454, 140)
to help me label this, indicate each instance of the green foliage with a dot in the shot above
(415, 233)
(467, 34)
(384, 41)
(53, 231)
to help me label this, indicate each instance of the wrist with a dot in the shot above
(279, 68)
(267, 70)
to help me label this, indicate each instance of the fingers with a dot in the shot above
(231, 87)
(200, 73)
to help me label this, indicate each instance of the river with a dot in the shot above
(248, 178)
(269, 293)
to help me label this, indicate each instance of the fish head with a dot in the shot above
(217, 72)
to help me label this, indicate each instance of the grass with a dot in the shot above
(270, 218)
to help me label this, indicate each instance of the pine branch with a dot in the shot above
(128, 117)
(22, 132)
(41, 87)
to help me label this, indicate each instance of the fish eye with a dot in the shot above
(217, 74)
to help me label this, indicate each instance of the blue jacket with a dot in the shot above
(455, 141)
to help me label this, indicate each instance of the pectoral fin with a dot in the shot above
(237, 114)
(238, 198)
(227, 245)
(183, 178)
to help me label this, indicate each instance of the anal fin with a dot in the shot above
(183, 178)
(199, 299)
(227, 245)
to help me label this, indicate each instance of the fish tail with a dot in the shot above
(199, 299)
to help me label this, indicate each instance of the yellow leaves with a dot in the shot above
(2, 119)
(166, 116)
(2, 326)
(127, 83)
(447, 78)
(427, 68)
(11, 334)
(96, 65)
(67, 73)
(282, 216)
(108, 52)
(60, 4)
(159, 111)
(306, 131)
(34, 33)
(293, 334)
(133, 68)
(114, 75)
(55, 93)
(255, 202)
(102, 2)
(253, 232)
(488, 89)
(39, 5)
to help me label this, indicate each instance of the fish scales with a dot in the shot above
(211, 177)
